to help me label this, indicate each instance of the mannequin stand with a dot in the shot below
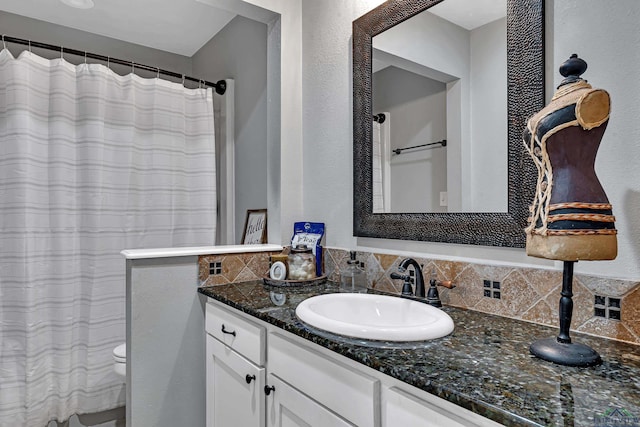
(561, 350)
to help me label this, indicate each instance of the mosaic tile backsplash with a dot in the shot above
(603, 307)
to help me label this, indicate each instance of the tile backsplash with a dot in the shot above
(232, 268)
(524, 293)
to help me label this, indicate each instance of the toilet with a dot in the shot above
(120, 360)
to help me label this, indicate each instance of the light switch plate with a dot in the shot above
(444, 200)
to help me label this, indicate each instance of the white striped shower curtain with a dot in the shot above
(380, 168)
(91, 163)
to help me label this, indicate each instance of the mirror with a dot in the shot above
(422, 146)
(497, 224)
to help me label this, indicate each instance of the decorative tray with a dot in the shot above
(289, 283)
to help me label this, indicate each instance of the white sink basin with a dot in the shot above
(375, 317)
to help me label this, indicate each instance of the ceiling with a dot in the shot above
(184, 26)
(470, 14)
(177, 26)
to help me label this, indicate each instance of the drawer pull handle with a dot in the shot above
(249, 378)
(224, 331)
(269, 389)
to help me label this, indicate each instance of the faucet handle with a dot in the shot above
(445, 283)
(407, 289)
(395, 275)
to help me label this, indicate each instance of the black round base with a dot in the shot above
(573, 354)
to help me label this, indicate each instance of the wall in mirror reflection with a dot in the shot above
(437, 80)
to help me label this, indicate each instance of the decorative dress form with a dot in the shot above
(571, 217)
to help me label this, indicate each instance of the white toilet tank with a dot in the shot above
(120, 360)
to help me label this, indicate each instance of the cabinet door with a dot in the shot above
(287, 407)
(235, 388)
(400, 408)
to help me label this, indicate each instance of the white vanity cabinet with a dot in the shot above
(289, 407)
(299, 383)
(403, 408)
(234, 388)
(326, 380)
(235, 369)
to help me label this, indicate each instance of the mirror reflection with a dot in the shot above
(440, 111)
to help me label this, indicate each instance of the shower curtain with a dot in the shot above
(378, 198)
(90, 163)
(381, 153)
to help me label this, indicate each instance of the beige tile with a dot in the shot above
(259, 265)
(203, 269)
(490, 305)
(542, 313)
(553, 300)
(386, 285)
(428, 268)
(608, 328)
(468, 291)
(449, 270)
(375, 272)
(386, 261)
(492, 272)
(245, 257)
(517, 295)
(630, 311)
(542, 281)
(215, 280)
(606, 286)
(330, 265)
(245, 275)
(583, 302)
(231, 267)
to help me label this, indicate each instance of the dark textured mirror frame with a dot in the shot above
(525, 85)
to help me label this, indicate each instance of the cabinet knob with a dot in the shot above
(268, 389)
(224, 331)
(249, 378)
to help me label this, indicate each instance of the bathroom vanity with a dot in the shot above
(264, 367)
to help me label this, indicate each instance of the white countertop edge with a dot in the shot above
(198, 250)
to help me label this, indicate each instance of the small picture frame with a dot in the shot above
(255, 227)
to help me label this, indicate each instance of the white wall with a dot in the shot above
(32, 29)
(328, 115)
(166, 357)
(418, 115)
(604, 33)
(239, 51)
(488, 180)
(448, 51)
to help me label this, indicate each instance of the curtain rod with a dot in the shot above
(380, 118)
(220, 86)
(442, 143)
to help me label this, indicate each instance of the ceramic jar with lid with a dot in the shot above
(302, 263)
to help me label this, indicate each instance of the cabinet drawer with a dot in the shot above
(353, 395)
(240, 334)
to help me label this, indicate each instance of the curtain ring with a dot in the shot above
(133, 67)
(61, 52)
(158, 76)
(183, 80)
(30, 46)
(4, 44)
(85, 56)
(200, 84)
(108, 63)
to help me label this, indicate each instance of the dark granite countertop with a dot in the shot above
(484, 365)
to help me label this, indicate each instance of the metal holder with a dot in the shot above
(561, 350)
